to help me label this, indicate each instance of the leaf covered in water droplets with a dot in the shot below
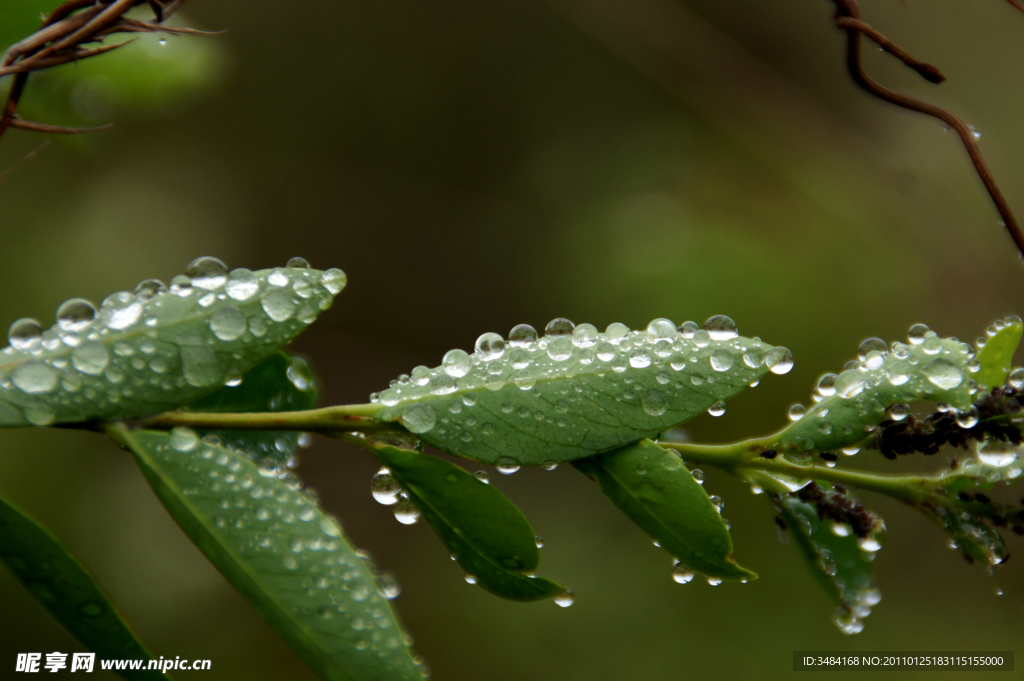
(929, 368)
(486, 533)
(288, 558)
(278, 383)
(834, 556)
(575, 392)
(156, 349)
(68, 591)
(657, 492)
(997, 355)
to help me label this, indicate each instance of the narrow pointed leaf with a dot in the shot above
(997, 355)
(158, 350)
(68, 591)
(278, 383)
(937, 369)
(288, 558)
(657, 492)
(486, 533)
(550, 400)
(843, 570)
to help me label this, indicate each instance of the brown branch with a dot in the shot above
(1017, 4)
(59, 129)
(57, 60)
(928, 71)
(847, 10)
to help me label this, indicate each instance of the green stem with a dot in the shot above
(326, 421)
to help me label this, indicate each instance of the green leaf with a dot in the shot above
(278, 383)
(656, 491)
(529, 402)
(997, 355)
(157, 349)
(68, 591)
(834, 557)
(486, 533)
(288, 558)
(932, 368)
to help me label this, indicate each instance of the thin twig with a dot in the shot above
(1017, 4)
(928, 71)
(24, 159)
(848, 9)
(17, 122)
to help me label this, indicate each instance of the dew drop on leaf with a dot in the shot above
(564, 599)
(796, 412)
(298, 263)
(721, 360)
(522, 335)
(654, 402)
(721, 327)
(490, 346)
(717, 409)
(662, 329)
(943, 373)
(207, 272)
(279, 305)
(34, 377)
(681, 573)
(456, 363)
(506, 465)
(419, 418)
(616, 333)
(779, 360)
(147, 288)
(917, 334)
(385, 488)
(241, 284)
(75, 314)
(406, 511)
(227, 323)
(24, 334)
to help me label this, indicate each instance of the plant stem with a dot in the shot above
(326, 421)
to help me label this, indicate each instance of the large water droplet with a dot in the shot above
(120, 310)
(406, 511)
(721, 327)
(721, 360)
(564, 599)
(181, 286)
(560, 349)
(662, 329)
(797, 412)
(717, 409)
(899, 411)
(241, 284)
(616, 333)
(24, 334)
(419, 418)
(559, 327)
(850, 383)
(148, 288)
(490, 346)
(681, 573)
(184, 439)
(333, 280)
(779, 360)
(654, 402)
(506, 465)
(90, 358)
(1015, 378)
(207, 272)
(456, 363)
(918, 333)
(75, 314)
(227, 323)
(967, 418)
(34, 377)
(997, 453)
(385, 487)
(584, 335)
(279, 305)
(943, 373)
(639, 359)
(869, 345)
(298, 263)
(827, 385)
(522, 335)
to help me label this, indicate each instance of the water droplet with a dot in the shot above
(797, 412)
(654, 402)
(90, 358)
(456, 363)
(721, 360)
(522, 335)
(559, 327)
(871, 345)
(34, 377)
(490, 346)
(717, 409)
(207, 272)
(406, 511)
(419, 418)
(850, 383)
(483, 477)
(298, 263)
(184, 439)
(701, 338)
(241, 284)
(75, 314)
(847, 622)
(24, 334)
(753, 358)
(565, 599)
(584, 335)
(606, 352)
(717, 502)
(827, 385)
(333, 280)
(616, 333)
(918, 333)
(943, 374)
(779, 360)
(900, 411)
(662, 329)
(279, 305)
(227, 323)
(687, 329)
(385, 488)
(506, 465)
(698, 475)
(560, 349)
(714, 581)
(997, 453)
(639, 359)
(898, 373)
(1015, 378)
(539, 541)
(869, 543)
(721, 327)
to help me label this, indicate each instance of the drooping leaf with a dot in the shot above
(574, 393)
(68, 591)
(997, 355)
(657, 492)
(288, 558)
(278, 383)
(156, 349)
(929, 368)
(486, 533)
(833, 555)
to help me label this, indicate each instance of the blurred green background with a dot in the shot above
(475, 165)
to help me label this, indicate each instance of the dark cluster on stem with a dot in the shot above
(835, 505)
(996, 409)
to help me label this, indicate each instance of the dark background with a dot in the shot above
(475, 165)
